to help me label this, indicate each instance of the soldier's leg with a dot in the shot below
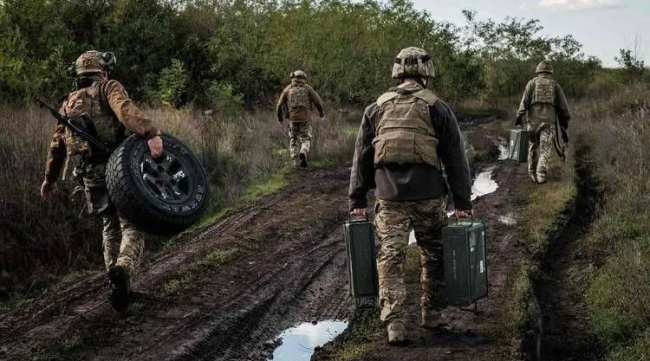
(294, 142)
(305, 137)
(533, 146)
(111, 238)
(393, 227)
(428, 219)
(545, 149)
(131, 248)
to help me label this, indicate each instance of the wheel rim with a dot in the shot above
(166, 177)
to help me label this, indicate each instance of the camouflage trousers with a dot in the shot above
(123, 244)
(300, 134)
(393, 224)
(539, 152)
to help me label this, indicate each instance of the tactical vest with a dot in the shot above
(298, 96)
(544, 91)
(405, 134)
(542, 104)
(104, 124)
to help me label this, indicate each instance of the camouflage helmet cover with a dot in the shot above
(94, 62)
(298, 74)
(544, 67)
(413, 61)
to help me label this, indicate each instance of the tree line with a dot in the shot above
(229, 54)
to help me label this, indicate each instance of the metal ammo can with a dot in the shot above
(518, 145)
(361, 258)
(465, 263)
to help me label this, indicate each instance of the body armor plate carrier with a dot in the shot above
(405, 134)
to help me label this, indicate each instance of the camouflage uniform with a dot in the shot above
(113, 115)
(393, 223)
(404, 139)
(299, 98)
(545, 107)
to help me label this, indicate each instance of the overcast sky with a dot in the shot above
(602, 26)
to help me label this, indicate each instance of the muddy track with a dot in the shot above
(468, 335)
(564, 323)
(287, 273)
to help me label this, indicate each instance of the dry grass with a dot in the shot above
(246, 156)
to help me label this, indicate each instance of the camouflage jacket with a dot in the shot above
(546, 107)
(122, 109)
(412, 182)
(300, 114)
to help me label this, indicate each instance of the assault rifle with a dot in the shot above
(80, 130)
(560, 148)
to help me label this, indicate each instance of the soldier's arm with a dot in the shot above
(316, 99)
(56, 154)
(525, 102)
(451, 150)
(129, 114)
(281, 102)
(561, 107)
(362, 176)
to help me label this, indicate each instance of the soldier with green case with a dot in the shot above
(545, 107)
(299, 98)
(404, 139)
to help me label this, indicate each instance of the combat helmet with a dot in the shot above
(298, 74)
(413, 62)
(94, 62)
(544, 67)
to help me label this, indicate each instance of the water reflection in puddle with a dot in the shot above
(298, 343)
(504, 152)
(483, 184)
(508, 220)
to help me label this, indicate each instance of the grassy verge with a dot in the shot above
(537, 215)
(616, 280)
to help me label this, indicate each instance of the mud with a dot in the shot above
(564, 335)
(469, 335)
(287, 274)
(289, 270)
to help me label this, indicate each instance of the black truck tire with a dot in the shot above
(160, 196)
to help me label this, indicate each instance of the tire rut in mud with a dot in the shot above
(291, 275)
(564, 334)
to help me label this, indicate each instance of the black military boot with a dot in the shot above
(120, 288)
(303, 160)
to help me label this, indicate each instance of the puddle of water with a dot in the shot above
(298, 343)
(508, 220)
(504, 152)
(483, 184)
(412, 239)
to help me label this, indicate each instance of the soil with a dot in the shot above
(565, 335)
(468, 334)
(290, 269)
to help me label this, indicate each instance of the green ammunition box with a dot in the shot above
(518, 145)
(465, 263)
(362, 258)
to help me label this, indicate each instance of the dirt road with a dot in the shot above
(228, 292)
(236, 286)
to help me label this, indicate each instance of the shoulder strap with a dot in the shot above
(427, 96)
(386, 97)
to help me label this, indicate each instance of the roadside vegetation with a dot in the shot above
(209, 72)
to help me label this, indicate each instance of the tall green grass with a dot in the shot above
(618, 292)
